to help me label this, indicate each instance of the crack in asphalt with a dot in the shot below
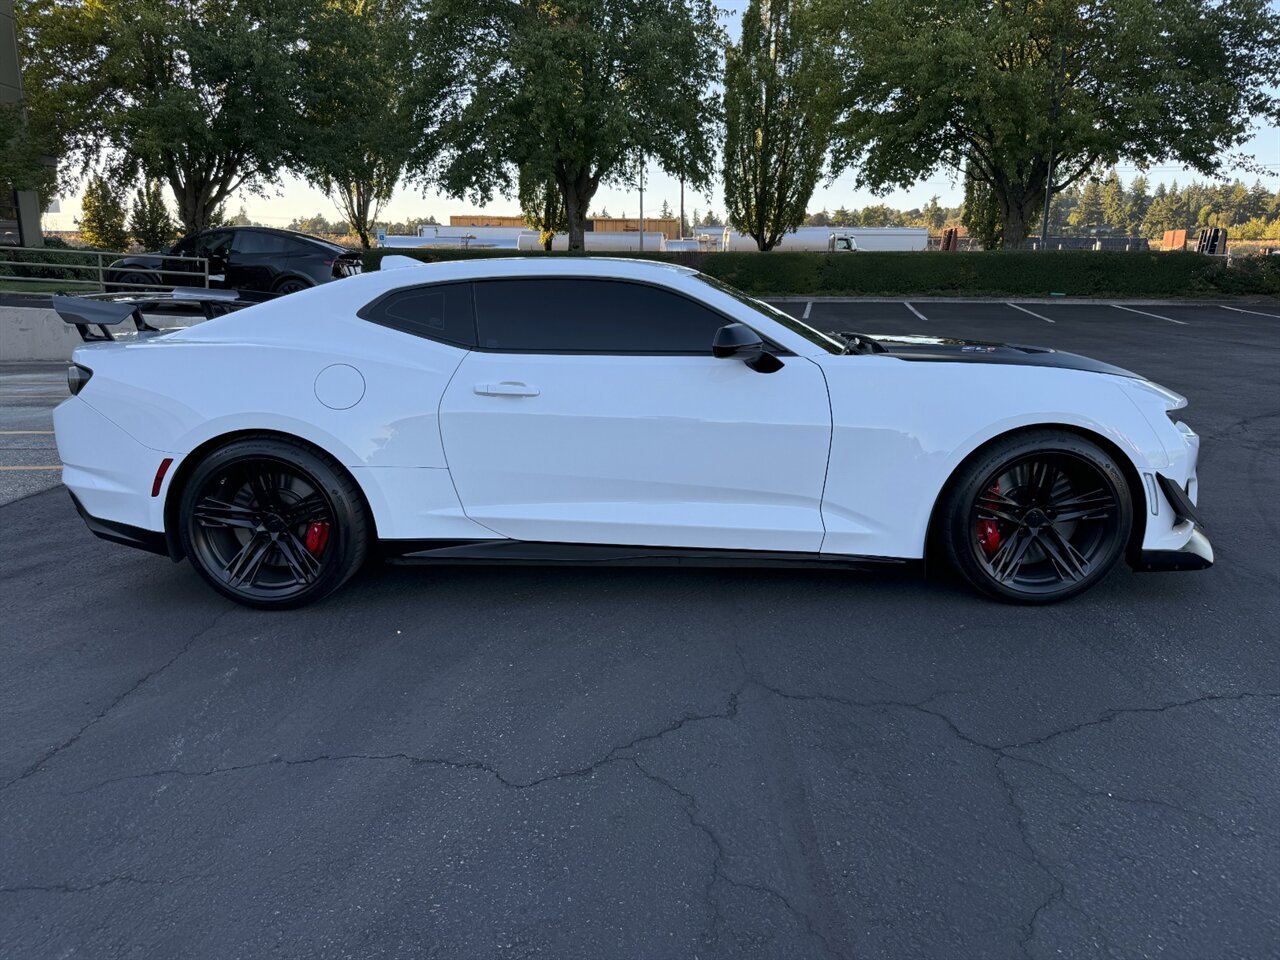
(98, 885)
(1000, 753)
(102, 714)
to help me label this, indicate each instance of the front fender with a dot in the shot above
(901, 429)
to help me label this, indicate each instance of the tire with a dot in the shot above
(291, 285)
(272, 523)
(122, 282)
(1037, 517)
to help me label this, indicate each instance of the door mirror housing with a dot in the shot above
(166, 250)
(737, 340)
(740, 342)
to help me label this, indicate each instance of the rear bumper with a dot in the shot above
(1196, 555)
(152, 541)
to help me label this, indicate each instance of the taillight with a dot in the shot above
(77, 377)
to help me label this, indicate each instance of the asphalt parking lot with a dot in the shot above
(649, 763)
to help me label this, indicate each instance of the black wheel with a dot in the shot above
(134, 282)
(291, 285)
(1039, 517)
(271, 523)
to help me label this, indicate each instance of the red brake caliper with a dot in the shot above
(989, 530)
(317, 537)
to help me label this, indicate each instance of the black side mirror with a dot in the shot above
(740, 342)
(737, 340)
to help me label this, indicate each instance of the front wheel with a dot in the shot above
(272, 523)
(1037, 517)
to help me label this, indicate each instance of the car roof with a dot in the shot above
(503, 267)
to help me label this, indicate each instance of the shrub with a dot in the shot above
(1020, 273)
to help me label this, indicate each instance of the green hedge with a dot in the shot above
(1020, 273)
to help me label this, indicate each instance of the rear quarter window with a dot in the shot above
(441, 312)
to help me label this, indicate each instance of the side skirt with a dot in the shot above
(528, 552)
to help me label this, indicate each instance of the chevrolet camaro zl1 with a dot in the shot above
(602, 410)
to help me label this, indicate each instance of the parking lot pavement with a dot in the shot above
(488, 762)
(28, 457)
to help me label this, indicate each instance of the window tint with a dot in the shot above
(590, 316)
(440, 312)
(248, 243)
(213, 244)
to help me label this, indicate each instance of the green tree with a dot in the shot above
(998, 85)
(24, 155)
(780, 106)
(149, 222)
(982, 214)
(665, 213)
(577, 87)
(364, 106)
(102, 219)
(1089, 214)
(1139, 203)
(1115, 205)
(198, 94)
(542, 205)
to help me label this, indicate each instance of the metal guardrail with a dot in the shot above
(14, 268)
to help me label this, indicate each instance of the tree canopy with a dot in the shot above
(363, 106)
(994, 86)
(198, 94)
(780, 82)
(578, 88)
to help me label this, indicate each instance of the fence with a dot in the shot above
(52, 269)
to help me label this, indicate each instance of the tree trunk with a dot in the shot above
(577, 191)
(1019, 207)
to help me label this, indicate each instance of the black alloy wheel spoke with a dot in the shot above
(242, 569)
(211, 512)
(1069, 561)
(1087, 506)
(1007, 561)
(1040, 482)
(266, 489)
(306, 510)
(298, 558)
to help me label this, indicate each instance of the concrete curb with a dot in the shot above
(35, 333)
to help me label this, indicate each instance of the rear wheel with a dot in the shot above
(1038, 517)
(272, 523)
(291, 285)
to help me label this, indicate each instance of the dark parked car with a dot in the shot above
(240, 258)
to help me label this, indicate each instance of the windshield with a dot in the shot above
(776, 315)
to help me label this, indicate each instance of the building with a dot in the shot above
(19, 209)
(669, 227)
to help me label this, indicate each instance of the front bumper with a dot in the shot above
(1196, 555)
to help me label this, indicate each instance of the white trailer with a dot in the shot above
(820, 238)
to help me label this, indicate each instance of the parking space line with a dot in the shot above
(915, 311)
(1032, 312)
(58, 467)
(1156, 315)
(26, 433)
(1256, 313)
(807, 307)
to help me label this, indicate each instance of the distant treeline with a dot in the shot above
(1106, 207)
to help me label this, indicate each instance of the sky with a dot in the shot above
(292, 198)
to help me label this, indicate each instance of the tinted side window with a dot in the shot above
(440, 312)
(590, 316)
(248, 243)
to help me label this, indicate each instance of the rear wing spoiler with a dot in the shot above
(100, 311)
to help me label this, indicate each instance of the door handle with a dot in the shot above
(507, 388)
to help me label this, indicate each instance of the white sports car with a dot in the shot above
(601, 410)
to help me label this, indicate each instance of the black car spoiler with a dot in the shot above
(87, 311)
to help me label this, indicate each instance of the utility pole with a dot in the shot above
(642, 201)
(682, 208)
(1048, 183)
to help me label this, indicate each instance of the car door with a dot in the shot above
(256, 259)
(592, 411)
